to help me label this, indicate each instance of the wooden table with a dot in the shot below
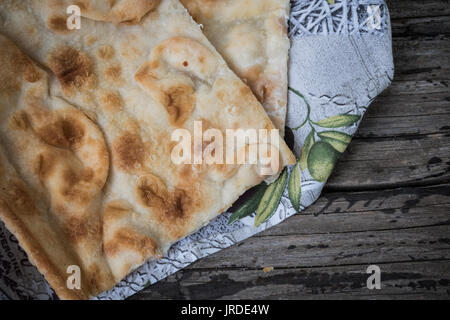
(387, 203)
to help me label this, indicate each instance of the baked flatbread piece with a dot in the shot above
(86, 118)
(251, 35)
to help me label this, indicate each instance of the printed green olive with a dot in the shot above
(321, 160)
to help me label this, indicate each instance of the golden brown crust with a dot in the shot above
(73, 68)
(128, 152)
(127, 239)
(111, 101)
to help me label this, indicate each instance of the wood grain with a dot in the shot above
(392, 162)
(422, 58)
(387, 203)
(411, 280)
(418, 8)
(323, 252)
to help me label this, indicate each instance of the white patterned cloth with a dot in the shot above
(340, 60)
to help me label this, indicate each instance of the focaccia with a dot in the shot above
(251, 35)
(86, 118)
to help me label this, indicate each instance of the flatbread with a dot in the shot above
(86, 118)
(251, 35)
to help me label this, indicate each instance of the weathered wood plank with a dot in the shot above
(348, 229)
(421, 46)
(375, 126)
(412, 280)
(417, 104)
(410, 160)
(439, 89)
(372, 247)
(399, 114)
(428, 26)
(422, 58)
(418, 8)
(337, 212)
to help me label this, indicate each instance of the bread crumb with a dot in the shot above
(268, 269)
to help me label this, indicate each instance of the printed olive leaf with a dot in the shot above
(271, 199)
(294, 187)
(337, 140)
(342, 120)
(330, 2)
(321, 160)
(309, 141)
(250, 205)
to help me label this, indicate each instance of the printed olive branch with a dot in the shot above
(320, 157)
(342, 120)
(264, 202)
(307, 119)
